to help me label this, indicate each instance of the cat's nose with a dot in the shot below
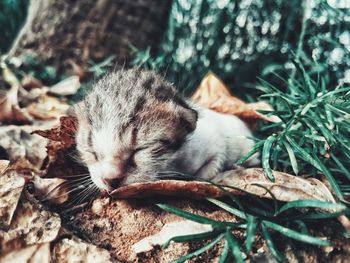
(113, 183)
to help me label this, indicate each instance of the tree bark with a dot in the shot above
(60, 31)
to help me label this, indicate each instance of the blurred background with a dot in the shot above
(239, 40)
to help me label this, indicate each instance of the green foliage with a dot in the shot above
(313, 133)
(12, 16)
(284, 219)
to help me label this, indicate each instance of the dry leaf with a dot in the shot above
(213, 94)
(10, 112)
(285, 188)
(66, 87)
(47, 108)
(170, 230)
(60, 149)
(75, 250)
(20, 144)
(64, 134)
(3, 166)
(30, 82)
(31, 254)
(53, 190)
(11, 186)
(31, 224)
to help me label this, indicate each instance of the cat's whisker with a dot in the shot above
(47, 197)
(81, 195)
(76, 175)
(79, 180)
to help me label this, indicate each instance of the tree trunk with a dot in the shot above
(60, 31)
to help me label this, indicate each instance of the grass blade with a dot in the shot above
(234, 246)
(274, 251)
(251, 230)
(187, 238)
(199, 251)
(252, 151)
(306, 156)
(292, 158)
(266, 157)
(228, 208)
(194, 217)
(312, 203)
(341, 166)
(296, 235)
(329, 177)
(224, 254)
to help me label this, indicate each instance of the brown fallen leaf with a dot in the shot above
(75, 250)
(31, 224)
(285, 188)
(64, 134)
(213, 94)
(61, 148)
(11, 186)
(170, 230)
(31, 254)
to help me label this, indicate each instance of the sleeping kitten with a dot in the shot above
(135, 127)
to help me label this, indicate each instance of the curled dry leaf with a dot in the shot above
(213, 94)
(53, 190)
(10, 112)
(66, 87)
(60, 149)
(31, 254)
(170, 230)
(36, 104)
(31, 224)
(75, 250)
(47, 108)
(18, 143)
(11, 186)
(285, 188)
(64, 134)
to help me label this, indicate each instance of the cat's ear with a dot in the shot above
(188, 119)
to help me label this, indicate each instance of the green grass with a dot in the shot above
(290, 220)
(254, 223)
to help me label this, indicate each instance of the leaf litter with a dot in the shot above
(39, 227)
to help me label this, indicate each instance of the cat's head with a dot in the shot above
(129, 126)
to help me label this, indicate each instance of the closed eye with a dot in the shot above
(140, 149)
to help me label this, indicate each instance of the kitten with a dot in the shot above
(135, 127)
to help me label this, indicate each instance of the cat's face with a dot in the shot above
(129, 127)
